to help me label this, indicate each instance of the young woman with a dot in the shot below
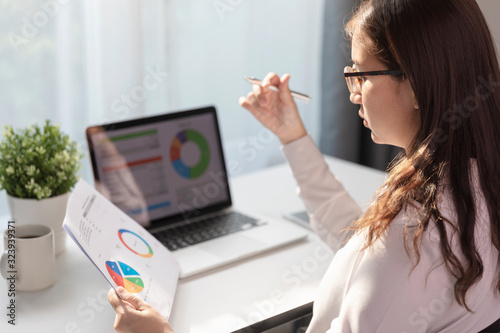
(424, 257)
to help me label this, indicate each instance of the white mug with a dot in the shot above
(28, 262)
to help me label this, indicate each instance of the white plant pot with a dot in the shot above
(49, 212)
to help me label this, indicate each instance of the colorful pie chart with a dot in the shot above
(125, 276)
(183, 137)
(135, 243)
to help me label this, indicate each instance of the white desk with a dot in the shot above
(222, 300)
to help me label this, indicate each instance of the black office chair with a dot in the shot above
(493, 328)
(292, 321)
(300, 318)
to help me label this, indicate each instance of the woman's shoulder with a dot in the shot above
(409, 220)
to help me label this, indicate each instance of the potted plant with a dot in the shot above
(38, 168)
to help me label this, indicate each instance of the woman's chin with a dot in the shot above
(376, 139)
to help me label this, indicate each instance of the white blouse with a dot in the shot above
(376, 290)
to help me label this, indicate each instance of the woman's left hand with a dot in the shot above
(135, 315)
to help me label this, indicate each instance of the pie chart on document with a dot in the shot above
(125, 276)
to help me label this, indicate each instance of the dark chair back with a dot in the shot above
(493, 328)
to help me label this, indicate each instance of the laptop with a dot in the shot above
(168, 173)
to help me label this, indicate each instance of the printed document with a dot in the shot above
(121, 249)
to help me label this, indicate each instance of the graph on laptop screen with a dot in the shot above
(163, 168)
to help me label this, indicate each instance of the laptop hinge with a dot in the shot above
(192, 220)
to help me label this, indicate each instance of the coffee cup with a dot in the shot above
(28, 260)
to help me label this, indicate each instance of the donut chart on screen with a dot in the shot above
(132, 244)
(125, 276)
(184, 136)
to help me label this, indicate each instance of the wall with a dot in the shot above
(491, 9)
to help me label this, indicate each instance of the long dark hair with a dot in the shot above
(446, 51)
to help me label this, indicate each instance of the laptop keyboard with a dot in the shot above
(210, 228)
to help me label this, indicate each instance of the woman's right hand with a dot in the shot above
(275, 110)
(133, 315)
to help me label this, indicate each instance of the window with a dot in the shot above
(88, 62)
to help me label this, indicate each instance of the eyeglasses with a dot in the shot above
(353, 78)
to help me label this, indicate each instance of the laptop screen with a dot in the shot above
(162, 169)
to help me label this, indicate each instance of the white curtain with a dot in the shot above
(81, 63)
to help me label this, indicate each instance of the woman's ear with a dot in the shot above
(410, 93)
(415, 102)
(414, 99)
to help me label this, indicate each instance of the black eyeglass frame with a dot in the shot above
(353, 80)
(373, 73)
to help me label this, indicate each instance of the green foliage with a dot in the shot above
(38, 163)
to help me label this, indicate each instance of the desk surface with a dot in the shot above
(222, 300)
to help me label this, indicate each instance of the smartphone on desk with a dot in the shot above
(300, 217)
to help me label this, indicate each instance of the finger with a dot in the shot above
(252, 104)
(258, 92)
(119, 305)
(271, 79)
(133, 300)
(255, 106)
(284, 88)
(115, 300)
(244, 102)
